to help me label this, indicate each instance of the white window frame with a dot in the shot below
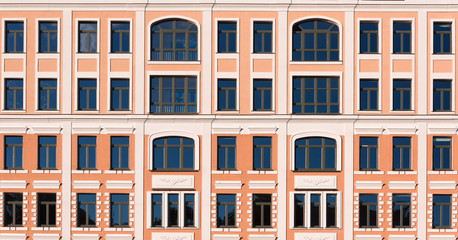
(370, 76)
(114, 76)
(110, 20)
(37, 34)
(431, 35)
(77, 39)
(452, 94)
(180, 209)
(379, 35)
(24, 93)
(412, 34)
(260, 76)
(24, 21)
(271, 20)
(307, 195)
(97, 108)
(37, 92)
(237, 44)
(412, 93)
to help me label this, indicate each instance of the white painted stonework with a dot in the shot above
(13, 129)
(226, 130)
(262, 130)
(402, 237)
(262, 184)
(226, 237)
(442, 185)
(13, 236)
(261, 237)
(172, 236)
(173, 181)
(369, 185)
(118, 237)
(38, 236)
(402, 185)
(442, 237)
(315, 236)
(13, 184)
(315, 182)
(118, 130)
(46, 184)
(45, 129)
(368, 237)
(86, 184)
(119, 184)
(85, 237)
(228, 184)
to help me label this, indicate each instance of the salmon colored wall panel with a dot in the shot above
(443, 66)
(119, 65)
(14, 65)
(47, 65)
(402, 65)
(87, 65)
(368, 66)
(227, 65)
(262, 65)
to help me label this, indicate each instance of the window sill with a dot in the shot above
(14, 53)
(370, 111)
(174, 170)
(373, 172)
(14, 171)
(87, 171)
(120, 111)
(369, 229)
(265, 229)
(113, 171)
(313, 228)
(47, 111)
(119, 229)
(14, 228)
(401, 229)
(318, 170)
(291, 62)
(262, 111)
(369, 54)
(227, 112)
(402, 111)
(402, 172)
(46, 228)
(226, 229)
(172, 228)
(262, 172)
(47, 171)
(87, 229)
(226, 172)
(443, 172)
(173, 113)
(13, 111)
(47, 53)
(86, 111)
(175, 62)
(451, 112)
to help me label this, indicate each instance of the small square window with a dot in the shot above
(14, 94)
(442, 38)
(120, 37)
(227, 37)
(316, 95)
(368, 94)
(120, 94)
(87, 94)
(368, 37)
(87, 37)
(48, 37)
(14, 37)
(227, 153)
(442, 95)
(262, 34)
(402, 35)
(402, 89)
(227, 94)
(262, 95)
(47, 91)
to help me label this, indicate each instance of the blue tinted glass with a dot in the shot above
(368, 26)
(47, 94)
(87, 98)
(48, 36)
(13, 152)
(14, 37)
(47, 152)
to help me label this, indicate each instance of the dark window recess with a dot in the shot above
(46, 210)
(299, 210)
(402, 153)
(47, 37)
(315, 95)
(189, 210)
(402, 94)
(156, 208)
(262, 33)
(442, 211)
(402, 35)
(442, 95)
(87, 94)
(14, 37)
(262, 153)
(13, 152)
(174, 40)
(47, 152)
(368, 153)
(401, 210)
(368, 37)
(120, 153)
(173, 94)
(368, 95)
(47, 91)
(331, 210)
(315, 154)
(87, 36)
(227, 153)
(227, 37)
(120, 37)
(120, 94)
(227, 95)
(262, 95)
(12, 216)
(86, 216)
(14, 94)
(442, 38)
(119, 208)
(173, 154)
(442, 149)
(368, 205)
(172, 209)
(315, 210)
(226, 206)
(262, 210)
(315, 40)
(87, 153)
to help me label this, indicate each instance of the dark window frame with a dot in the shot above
(87, 146)
(120, 215)
(48, 33)
(120, 147)
(227, 91)
(263, 91)
(15, 38)
(402, 35)
(402, 91)
(369, 33)
(323, 146)
(441, 212)
(329, 205)
(441, 158)
(87, 33)
(368, 157)
(48, 205)
(15, 159)
(442, 92)
(47, 146)
(315, 216)
(316, 90)
(226, 148)
(187, 90)
(262, 213)
(227, 33)
(48, 90)
(441, 34)
(401, 211)
(154, 203)
(262, 147)
(181, 146)
(13, 205)
(401, 156)
(226, 216)
(120, 90)
(368, 91)
(88, 94)
(367, 206)
(263, 37)
(86, 215)
(15, 90)
(121, 33)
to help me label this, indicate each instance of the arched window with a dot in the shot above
(173, 154)
(173, 40)
(315, 154)
(315, 40)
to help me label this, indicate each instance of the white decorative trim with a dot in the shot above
(442, 129)
(401, 130)
(172, 236)
(442, 185)
(228, 184)
(441, 237)
(119, 184)
(46, 184)
(368, 184)
(13, 236)
(13, 184)
(262, 184)
(119, 130)
(227, 130)
(86, 130)
(261, 237)
(173, 181)
(368, 130)
(86, 184)
(315, 236)
(402, 184)
(315, 182)
(226, 237)
(46, 129)
(118, 237)
(13, 129)
(262, 130)
(368, 237)
(45, 236)
(85, 236)
(402, 237)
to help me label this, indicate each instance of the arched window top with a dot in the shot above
(315, 40)
(174, 40)
(315, 154)
(173, 153)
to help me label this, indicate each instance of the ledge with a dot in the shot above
(402, 237)
(118, 237)
(46, 129)
(262, 130)
(119, 130)
(13, 184)
(119, 184)
(228, 184)
(46, 236)
(226, 237)
(442, 185)
(368, 237)
(442, 237)
(399, 130)
(85, 237)
(261, 237)
(13, 129)
(442, 130)
(368, 130)
(86, 184)
(368, 185)
(13, 236)
(86, 130)
(227, 130)
(315, 236)
(262, 184)
(402, 185)
(48, 184)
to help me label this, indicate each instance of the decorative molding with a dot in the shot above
(226, 237)
(442, 185)
(442, 237)
(13, 129)
(401, 130)
(172, 236)
(118, 130)
(46, 184)
(13, 236)
(368, 184)
(261, 237)
(86, 184)
(86, 130)
(402, 237)
(262, 184)
(119, 184)
(315, 182)
(20, 184)
(118, 237)
(402, 185)
(45, 236)
(368, 237)
(368, 130)
(46, 129)
(226, 130)
(228, 184)
(262, 130)
(440, 129)
(315, 236)
(85, 237)
(173, 181)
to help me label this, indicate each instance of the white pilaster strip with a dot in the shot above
(348, 58)
(139, 93)
(206, 59)
(139, 184)
(422, 54)
(348, 160)
(282, 77)
(422, 179)
(66, 179)
(205, 162)
(66, 79)
(282, 172)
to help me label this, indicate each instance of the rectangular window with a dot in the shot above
(402, 35)
(120, 153)
(227, 37)
(315, 95)
(156, 208)
(48, 37)
(86, 216)
(402, 89)
(262, 95)
(442, 150)
(299, 210)
(226, 205)
(227, 94)
(262, 153)
(262, 37)
(401, 153)
(315, 206)
(12, 216)
(173, 154)
(227, 153)
(368, 37)
(309, 211)
(46, 210)
(174, 209)
(442, 211)
(442, 38)
(87, 153)
(368, 153)
(13, 152)
(120, 94)
(368, 94)
(47, 152)
(120, 37)
(401, 210)
(87, 94)
(189, 210)
(119, 210)
(368, 210)
(14, 94)
(173, 94)
(87, 37)
(442, 95)
(262, 205)
(47, 91)
(331, 210)
(14, 37)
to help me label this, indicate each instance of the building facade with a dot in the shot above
(228, 120)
